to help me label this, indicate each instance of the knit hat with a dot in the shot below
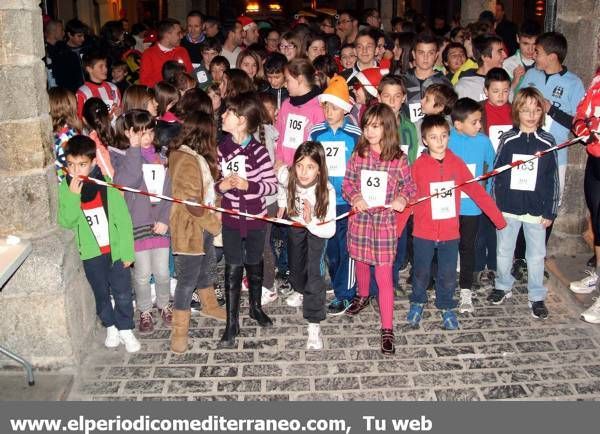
(369, 78)
(245, 21)
(337, 93)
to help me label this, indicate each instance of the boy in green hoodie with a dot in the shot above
(103, 230)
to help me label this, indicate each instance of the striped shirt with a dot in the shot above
(106, 91)
(261, 182)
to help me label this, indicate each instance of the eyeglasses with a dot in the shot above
(286, 46)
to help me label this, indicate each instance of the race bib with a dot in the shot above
(96, 218)
(109, 104)
(335, 156)
(496, 132)
(154, 177)
(373, 187)
(236, 165)
(472, 168)
(201, 76)
(524, 176)
(294, 131)
(547, 123)
(416, 112)
(443, 206)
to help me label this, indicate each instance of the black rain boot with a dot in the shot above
(255, 279)
(233, 288)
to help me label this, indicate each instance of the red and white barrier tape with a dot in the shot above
(341, 216)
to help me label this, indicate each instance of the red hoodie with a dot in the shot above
(427, 171)
(153, 60)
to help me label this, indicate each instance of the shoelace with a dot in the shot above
(591, 276)
(146, 316)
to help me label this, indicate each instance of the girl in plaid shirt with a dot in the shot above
(377, 176)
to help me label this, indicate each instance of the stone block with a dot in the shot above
(21, 40)
(26, 144)
(582, 33)
(28, 5)
(47, 310)
(25, 86)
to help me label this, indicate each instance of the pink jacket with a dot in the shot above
(293, 125)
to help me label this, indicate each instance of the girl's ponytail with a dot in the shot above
(97, 118)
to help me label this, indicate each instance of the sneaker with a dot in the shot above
(592, 313)
(112, 337)
(592, 261)
(195, 304)
(315, 340)
(387, 341)
(220, 294)
(415, 314)
(497, 296)
(357, 305)
(146, 324)
(283, 285)
(268, 296)
(132, 345)
(338, 307)
(585, 285)
(466, 303)
(167, 315)
(449, 320)
(295, 300)
(519, 269)
(538, 309)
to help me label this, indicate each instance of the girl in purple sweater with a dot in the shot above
(246, 179)
(138, 165)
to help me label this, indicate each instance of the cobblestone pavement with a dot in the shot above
(500, 352)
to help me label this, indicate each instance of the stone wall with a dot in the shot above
(46, 309)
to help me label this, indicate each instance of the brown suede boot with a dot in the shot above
(179, 330)
(210, 305)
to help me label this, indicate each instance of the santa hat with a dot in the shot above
(245, 21)
(337, 93)
(369, 78)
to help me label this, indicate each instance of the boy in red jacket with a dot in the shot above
(436, 221)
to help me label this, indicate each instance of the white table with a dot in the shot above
(11, 258)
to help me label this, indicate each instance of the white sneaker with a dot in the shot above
(315, 340)
(295, 300)
(466, 304)
(592, 313)
(112, 337)
(132, 345)
(268, 296)
(585, 285)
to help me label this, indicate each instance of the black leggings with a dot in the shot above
(591, 188)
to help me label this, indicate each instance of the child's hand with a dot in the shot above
(135, 138)
(115, 111)
(160, 228)
(361, 205)
(226, 184)
(75, 185)
(546, 223)
(399, 204)
(518, 72)
(239, 183)
(280, 212)
(307, 211)
(127, 264)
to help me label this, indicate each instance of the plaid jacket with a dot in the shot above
(372, 236)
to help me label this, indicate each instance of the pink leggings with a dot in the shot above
(383, 277)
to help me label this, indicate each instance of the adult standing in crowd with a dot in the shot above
(54, 32)
(347, 27)
(194, 37)
(506, 29)
(233, 40)
(167, 48)
(67, 68)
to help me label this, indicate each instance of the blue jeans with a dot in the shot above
(535, 252)
(341, 266)
(445, 280)
(108, 279)
(398, 260)
(485, 246)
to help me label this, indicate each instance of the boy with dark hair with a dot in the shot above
(488, 51)
(523, 60)
(418, 79)
(120, 75)
(274, 66)
(365, 45)
(561, 89)
(476, 151)
(67, 68)
(217, 68)
(97, 86)
(453, 57)
(209, 49)
(436, 222)
(99, 218)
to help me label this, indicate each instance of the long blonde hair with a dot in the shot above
(63, 109)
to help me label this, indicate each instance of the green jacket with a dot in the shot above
(120, 232)
(409, 137)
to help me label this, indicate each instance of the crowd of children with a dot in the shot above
(312, 131)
